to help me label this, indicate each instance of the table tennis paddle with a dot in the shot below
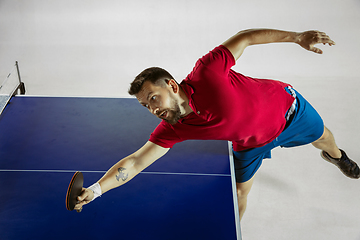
(74, 190)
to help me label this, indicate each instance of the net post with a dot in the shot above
(21, 84)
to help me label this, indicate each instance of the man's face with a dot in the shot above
(160, 101)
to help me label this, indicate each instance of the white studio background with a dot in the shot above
(96, 48)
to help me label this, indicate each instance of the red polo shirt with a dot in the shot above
(227, 106)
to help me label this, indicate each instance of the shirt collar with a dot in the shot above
(189, 91)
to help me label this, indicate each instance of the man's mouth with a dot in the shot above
(163, 114)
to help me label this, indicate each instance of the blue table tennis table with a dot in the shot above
(187, 194)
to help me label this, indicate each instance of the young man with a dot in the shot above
(215, 102)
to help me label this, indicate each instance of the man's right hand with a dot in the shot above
(85, 197)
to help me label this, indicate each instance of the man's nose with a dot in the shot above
(154, 110)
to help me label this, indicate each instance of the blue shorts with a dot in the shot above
(304, 126)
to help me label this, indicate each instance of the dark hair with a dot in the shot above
(155, 75)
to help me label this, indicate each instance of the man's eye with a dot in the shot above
(153, 97)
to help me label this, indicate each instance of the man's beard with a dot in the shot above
(175, 114)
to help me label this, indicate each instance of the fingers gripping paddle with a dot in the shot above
(74, 190)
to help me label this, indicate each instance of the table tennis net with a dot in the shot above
(10, 87)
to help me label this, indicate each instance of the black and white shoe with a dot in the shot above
(345, 164)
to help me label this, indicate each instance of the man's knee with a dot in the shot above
(324, 136)
(244, 188)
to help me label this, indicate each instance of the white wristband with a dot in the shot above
(96, 190)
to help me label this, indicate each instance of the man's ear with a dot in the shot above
(173, 84)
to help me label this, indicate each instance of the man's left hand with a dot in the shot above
(308, 39)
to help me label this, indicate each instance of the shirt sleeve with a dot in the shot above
(219, 59)
(164, 135)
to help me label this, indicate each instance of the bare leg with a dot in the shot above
(243, 190)
(327, 143)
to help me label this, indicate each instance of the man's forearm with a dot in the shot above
(237, 43)
(123, 171)
(130, 166)
(119, 174)
(263, 36)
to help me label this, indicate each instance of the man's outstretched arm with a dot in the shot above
(125, 170)
(237, 43)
